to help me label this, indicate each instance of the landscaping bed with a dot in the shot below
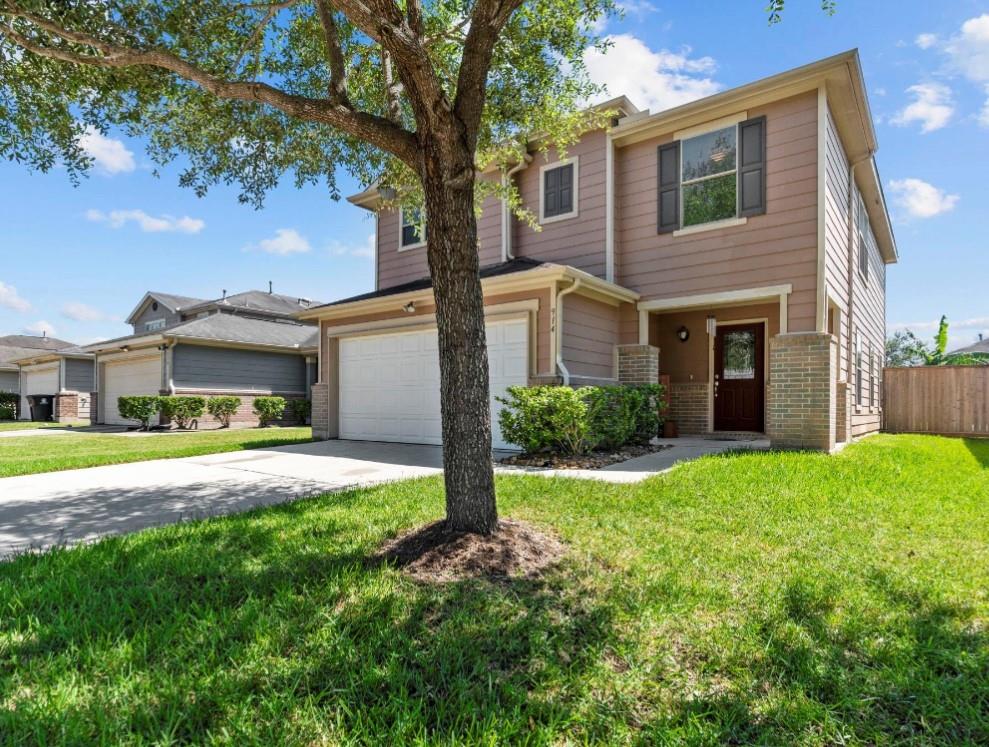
(594, 460)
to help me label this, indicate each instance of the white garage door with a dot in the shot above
(41, 381)
(390, 384)
(129, 378)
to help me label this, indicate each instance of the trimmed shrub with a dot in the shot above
(8, 405)
(7, 412)
(140, 408)
(268, 409)
(545, 418)
(301, 409)
(223, 408)
(574, 421)
(182, 410)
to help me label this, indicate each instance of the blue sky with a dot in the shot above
(76, 260)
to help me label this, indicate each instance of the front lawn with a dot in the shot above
(752, 598)
(32, 454)
(24, 425)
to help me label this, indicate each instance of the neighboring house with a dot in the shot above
(737, 245)
(246, 345)
(979, 346)
(66, 376)
(16, 347)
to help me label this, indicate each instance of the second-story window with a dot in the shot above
(712, 176)
(411, 225)
(154, 324)
(558, 191)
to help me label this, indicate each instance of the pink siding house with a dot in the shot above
(735, 246)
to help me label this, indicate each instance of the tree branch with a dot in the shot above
(377, 131)
(393, 88)
(272, 11)
(334, 53)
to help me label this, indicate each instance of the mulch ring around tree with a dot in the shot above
(594, 460)
(435, 554)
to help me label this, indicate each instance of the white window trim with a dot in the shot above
(721, 124)
(575, 160)
(401, 224)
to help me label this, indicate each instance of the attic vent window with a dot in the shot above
(154, 306)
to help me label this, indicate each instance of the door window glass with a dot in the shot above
(739, 355)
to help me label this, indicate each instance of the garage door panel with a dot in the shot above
(140, 377)
(390, 384)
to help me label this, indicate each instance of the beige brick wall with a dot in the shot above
(66, 407)
(244, 417)
(638, 364)
(321, 426)
(801, 413)
(689, 407)
(842, 410)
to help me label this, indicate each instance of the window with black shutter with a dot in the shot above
(411, 219)
(711, 177)
(863, 232)
(559, 192)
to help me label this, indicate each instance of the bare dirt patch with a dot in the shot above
(594, 460)
(435, 554)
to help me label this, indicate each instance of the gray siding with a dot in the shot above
(148, 315)
(202, 367)
(9, 381)
(79, 375)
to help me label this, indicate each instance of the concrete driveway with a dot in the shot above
(38, 511)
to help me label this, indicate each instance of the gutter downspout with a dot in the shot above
(849, 342)
(559, 331)
(506, 213)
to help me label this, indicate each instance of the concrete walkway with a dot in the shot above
(38, 511)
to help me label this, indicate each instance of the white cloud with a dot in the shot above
(81, 312)
(960, 333)
(110, 155)
(969, 49)
(656, 80)
(11, 299)
(920, 199)
(285, 241)
(147, 223)
(40, 327)
(925, 41)
(365, 249)
(932, 107)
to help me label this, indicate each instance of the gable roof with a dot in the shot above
(229, 329)
(982, 346)
(171, 301)
(16, 347)
(41, 356)
(258, 301)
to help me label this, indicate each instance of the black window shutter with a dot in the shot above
(668, 218)
(566, 188)
(752, 167)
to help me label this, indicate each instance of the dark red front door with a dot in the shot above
(739, 378)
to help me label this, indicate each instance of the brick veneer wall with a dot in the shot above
(842, 409)
(66, 407)
(689, 407)
(638, 364)
(244, 417)
(321, 410)
(801, 409)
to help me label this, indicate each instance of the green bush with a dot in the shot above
(301, 409)
(575, 421)
(223, 408)
(182, 410)
(545, 418)
(140, 408)
(7, 412)
(268, 409)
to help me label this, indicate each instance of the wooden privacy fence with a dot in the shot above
(948, 400)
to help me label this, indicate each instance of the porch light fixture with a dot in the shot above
(683, 334)
(410, 307)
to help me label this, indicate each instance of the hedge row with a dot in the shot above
(8, 405)
(563, 420)
(184, 410)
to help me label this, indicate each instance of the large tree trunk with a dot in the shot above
(466, 413)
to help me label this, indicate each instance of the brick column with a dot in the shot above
(321, 411)
(638, 364)
(689, 402)
(801, 411)
(843, 426)
(65, 408)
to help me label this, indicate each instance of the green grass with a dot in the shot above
(23, 425)
(30, 455)
(758, 598)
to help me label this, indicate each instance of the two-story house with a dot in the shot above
(245, 344)
(736, 246)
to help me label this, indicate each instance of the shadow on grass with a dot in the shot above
(273, 630)
(918, 672)
(979, 448)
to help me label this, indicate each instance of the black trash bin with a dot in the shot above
(41, 406)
